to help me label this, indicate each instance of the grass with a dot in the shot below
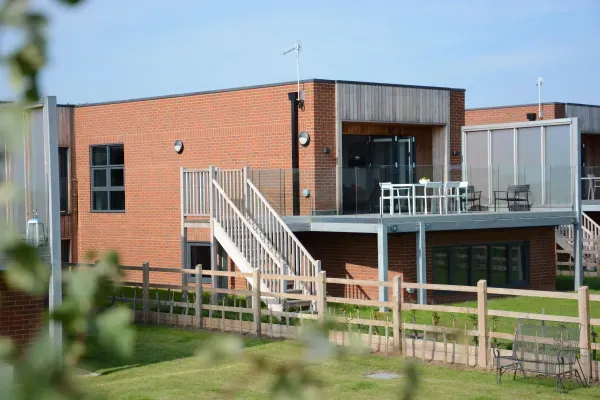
(165, 367)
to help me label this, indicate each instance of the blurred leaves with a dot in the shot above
(26, 271)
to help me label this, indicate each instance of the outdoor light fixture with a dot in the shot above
(36, 232)
(304, 138)
(178, 146)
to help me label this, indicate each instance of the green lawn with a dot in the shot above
(165, 367)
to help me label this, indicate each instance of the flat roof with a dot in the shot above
(368, 223)
(234, 89)
(531, 105)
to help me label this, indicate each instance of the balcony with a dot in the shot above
(356, 191)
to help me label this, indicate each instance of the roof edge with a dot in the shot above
(514, 106)
(239, 88)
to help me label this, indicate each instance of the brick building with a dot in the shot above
(130, 187)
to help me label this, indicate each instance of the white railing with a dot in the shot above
(232, 183)
(195, 187)
(589, 225)
(285, 243)
(247, 240)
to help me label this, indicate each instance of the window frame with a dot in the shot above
(524, 244)
(108, 167)
(68, 178)
(206, 279)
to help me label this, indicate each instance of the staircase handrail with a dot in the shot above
(255, 234)
(280, 221)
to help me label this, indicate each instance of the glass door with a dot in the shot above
(405, 160)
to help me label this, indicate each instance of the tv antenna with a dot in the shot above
(297, 47)
(540, 82)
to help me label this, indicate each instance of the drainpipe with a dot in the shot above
(293, 97)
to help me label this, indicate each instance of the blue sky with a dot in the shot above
(118, 49)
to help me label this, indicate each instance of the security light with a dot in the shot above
(178, 146)
(304, 138)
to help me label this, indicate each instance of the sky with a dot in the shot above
(107, 50)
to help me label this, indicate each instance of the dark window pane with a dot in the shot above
(117, 177)
(117, 200)
(479, 263)
(440, 266)
(499, 266)
(99, 156)
(63, 178)
(100, 201)
(65, 251)
(460, 266)
(99, 178)
(117, 156)
(517, 267)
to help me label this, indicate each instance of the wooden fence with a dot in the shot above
(385, 332)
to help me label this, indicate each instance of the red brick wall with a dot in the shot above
(457, 121)
(354, 255)
(20, 315)
(501, 115)
(226, 129)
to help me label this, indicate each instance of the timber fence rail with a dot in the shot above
(242, 310)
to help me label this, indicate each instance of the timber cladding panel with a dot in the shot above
(354, 255)
(229, 129)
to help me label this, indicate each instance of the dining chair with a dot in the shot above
(403, 192)
(452, 196)
(436, 193)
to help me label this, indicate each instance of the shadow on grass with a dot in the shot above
(542, 383)
(566, 283)
(156, 344)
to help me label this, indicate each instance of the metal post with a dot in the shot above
(382, 261)
(212, 172)
(246, 174)
(576, 176)
(52, 183)
(421, 263)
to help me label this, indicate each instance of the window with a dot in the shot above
(500, 264)
(65, 251)
(108, 178)
(63, 175)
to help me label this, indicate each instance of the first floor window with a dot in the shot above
(108, 177)
(499, 264)
(65, 250)
(63, 176)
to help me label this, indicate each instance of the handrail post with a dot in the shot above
(482, 323)
(584, 333)
(245, 174)
(256, 300)
(397, 311)
(145, 290)
(321, 295)
(198, 311)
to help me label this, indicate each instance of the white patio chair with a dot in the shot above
(593, 183)
(436, 189)
(463, 190)
(402, 193)
(452, 196)
(387, 193)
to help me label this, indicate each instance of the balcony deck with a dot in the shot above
(368, 223)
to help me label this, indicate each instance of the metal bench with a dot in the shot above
(550, 350)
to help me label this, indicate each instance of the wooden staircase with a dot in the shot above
(565, 250)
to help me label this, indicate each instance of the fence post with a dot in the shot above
(145, 290)
(256, 300)
(584, 335)
(397, 311)
(198, 313)
(321, 294)
(482, 323)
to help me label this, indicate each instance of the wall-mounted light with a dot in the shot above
(36, 232)
(304, 138)
(178, 146)
(306, 193)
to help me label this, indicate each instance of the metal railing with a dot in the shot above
(195, 185)
(247, 239)
(294, 255)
